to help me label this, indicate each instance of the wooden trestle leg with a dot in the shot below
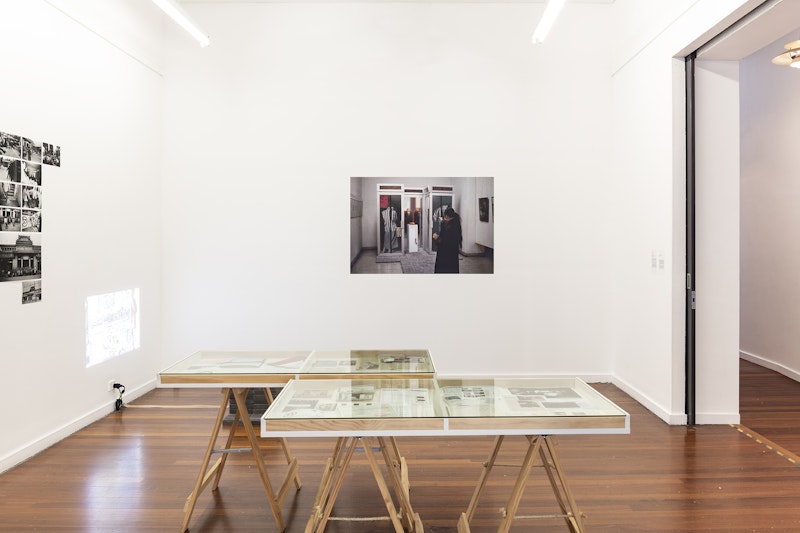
(215, 472)
(336, 468)
(543, 447)
(205, 475)
(284, 443)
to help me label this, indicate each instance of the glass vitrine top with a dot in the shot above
(456, 406)
(235, 367)
(240, 368)
(369, 362)
(357, 399)
(523, 397)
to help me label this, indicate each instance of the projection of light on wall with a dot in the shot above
(112, 325)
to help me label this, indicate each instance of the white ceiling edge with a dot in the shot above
(760, 28)
(134, 28)
(389, 1)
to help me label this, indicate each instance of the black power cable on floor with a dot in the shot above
(119, 404)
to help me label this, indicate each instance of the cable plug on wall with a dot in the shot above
(120, 388)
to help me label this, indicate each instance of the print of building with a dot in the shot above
(21, 260)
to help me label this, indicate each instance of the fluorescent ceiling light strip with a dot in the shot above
(549, 17)
(177, 14)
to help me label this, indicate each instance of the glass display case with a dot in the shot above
(241, 373)
(345, 400)
(507, 406)
(390, 223)
(276, 367)
(239, 368)
(440, 199)
(369, 363)
(368, 414)
(413, 217)
(529, 405)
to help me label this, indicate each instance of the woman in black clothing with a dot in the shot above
(448, 243)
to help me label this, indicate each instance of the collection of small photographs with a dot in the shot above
(246, 365)
(21, 161)
(377, 362)
(318, 362)
(371, 401)
(359, 401)
(513, 401)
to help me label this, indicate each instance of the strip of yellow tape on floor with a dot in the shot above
(768, 444)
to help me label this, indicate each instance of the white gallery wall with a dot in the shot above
(770, 191)
(644, 222)
(66, 82)
(589, 265)
(265, 128)
(648, 332)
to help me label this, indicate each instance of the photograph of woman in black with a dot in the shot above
(448, 243)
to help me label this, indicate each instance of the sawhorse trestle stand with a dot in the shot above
(404, 519)
(212, 475)
(543, 447)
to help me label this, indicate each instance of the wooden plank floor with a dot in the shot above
(131, 472)
(769, 404)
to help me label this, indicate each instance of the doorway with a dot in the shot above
(719, 144)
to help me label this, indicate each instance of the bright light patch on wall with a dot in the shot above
(112, 325)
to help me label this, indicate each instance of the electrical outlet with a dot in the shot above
(110, 387)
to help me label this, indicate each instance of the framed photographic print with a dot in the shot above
(483, 209)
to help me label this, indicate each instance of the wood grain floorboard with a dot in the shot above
(769, 404)
(132, 471)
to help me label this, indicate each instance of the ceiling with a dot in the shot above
(761, 27)
(765, 24)
(390, 1)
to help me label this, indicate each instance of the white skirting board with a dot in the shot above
(24, 453)
(772, 365)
